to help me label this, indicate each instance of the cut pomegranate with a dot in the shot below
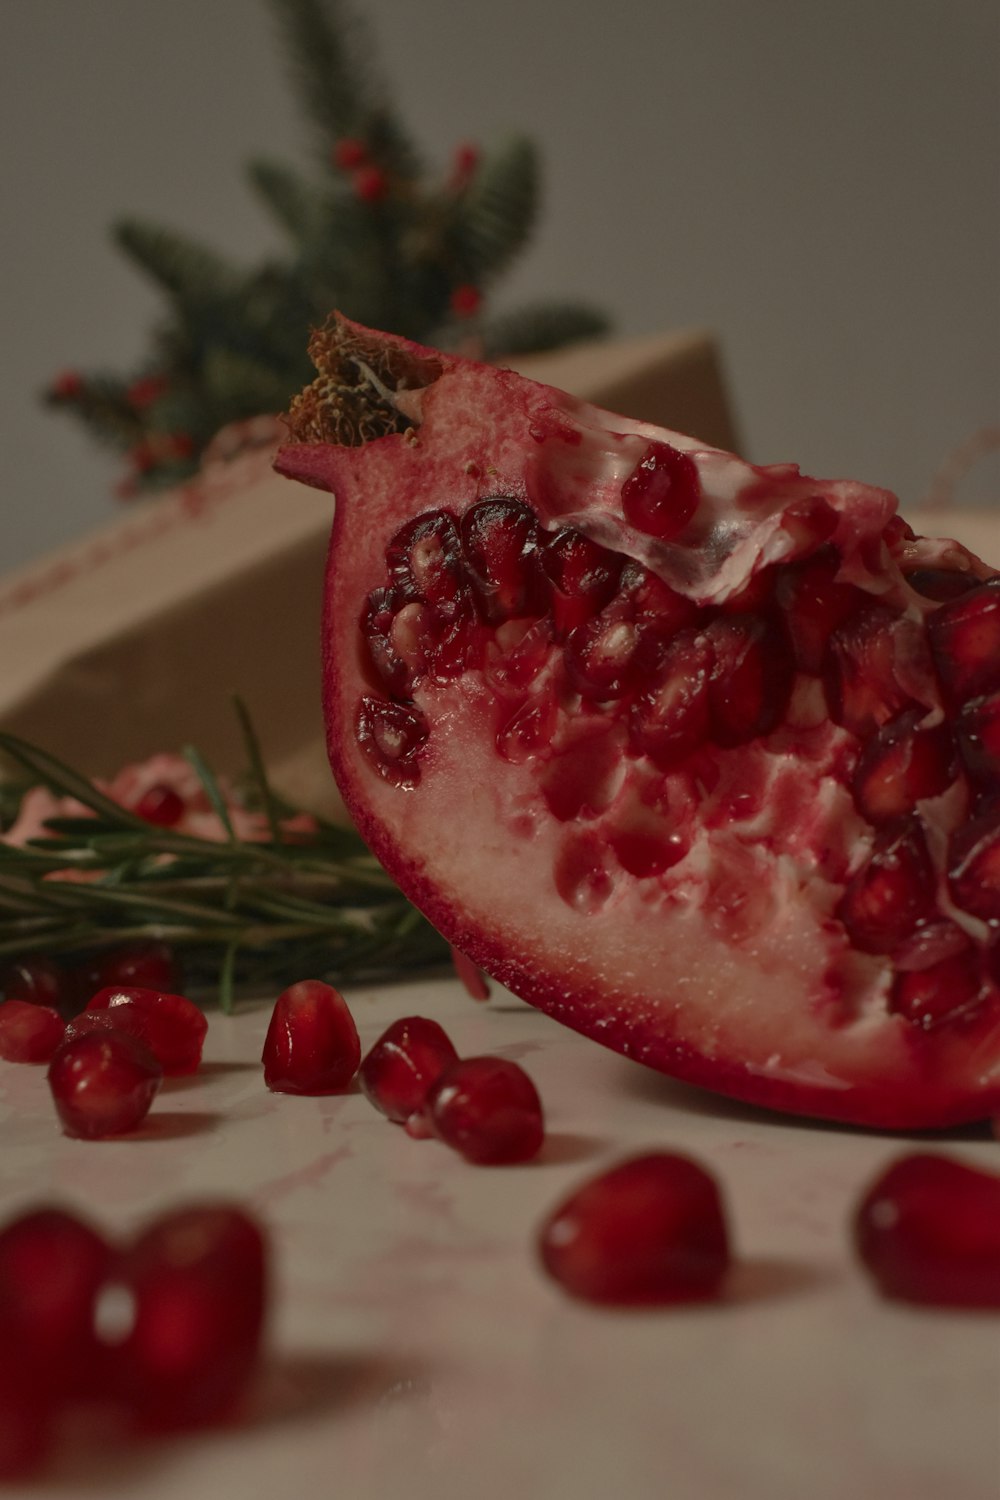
(403, 1064)
(103, 1084)
(52, 1269)
(699, 767)
(197, 1284)
(488, 1110)
(29, 1033)
(650, 1230)
(928, 1230)
(312, 1044)
(171, 1026)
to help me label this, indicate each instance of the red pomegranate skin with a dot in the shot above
(655, 805)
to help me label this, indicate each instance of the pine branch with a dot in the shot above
(291, 199)
(541, 327)
(497, 212)
(195, 275)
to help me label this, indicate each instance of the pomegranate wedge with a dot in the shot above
(662, 740)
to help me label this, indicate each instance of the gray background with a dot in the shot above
(818, 182)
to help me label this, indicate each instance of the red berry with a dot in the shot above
(370, 184)
(928, 1230)
(171, 1026)
(39, 980)
(161, 805)
(67, 385)
(312, 1044)
(103, 1084)
(487, 1109)
(463, 165)
(146, 390)
(650, 1230)
(29, 1033)
(150, 965)
(403, 1064)
(349, 153)
(661, 494)
(466, 301)
(52, 1269)
(197, 1282)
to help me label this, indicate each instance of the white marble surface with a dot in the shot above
(418, 1353)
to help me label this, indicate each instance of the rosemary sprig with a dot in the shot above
(239, 913)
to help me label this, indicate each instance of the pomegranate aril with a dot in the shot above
(928, 1230)
(529, 729)
(659, 610)
(814, 606)
(964, 637)
(940, 584)
(151, 965)
(312, 1044)
(25, 1426)
(393, 673)
(939, 993)
(406, 1060)
(901, 764)
(500, 539)
(488, 1110)
(172, 1027)
(669, 720)
(862, 691)
(39, 981)
(103, 1084)
(977, 730)
(974, 866)
(892, 893)
(661, 494)
(425, 559)
(197, 1284)
(29, 1033)
(581, 782)
(392, 737)
(52, 1269)
(600, 656)
(583, 575)
(161, 805)
(751, 679)
(651, 1230)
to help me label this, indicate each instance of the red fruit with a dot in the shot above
(52, 1269)
(488, 1110)
(370, 184)
(171, 1026)
(349, 153)
(103, 1084)
(29, 1033)
(312, 1044)
(149, 965)
(407, 1058)
(697, 801)
(38, 980)
(466, 301)
(161, 805)
(928, 1230)
(25, 1426)
(650, 1230)
(197, 1282)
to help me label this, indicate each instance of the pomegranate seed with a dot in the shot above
(403, 1064)
(473, 979)
(815, 605)
(902, 764)
(751, 679)
(150, 965)
(25, 1426)
(583, 575)
(928, 1230)
(29, 1033)
(650, 1230)
(197, 1283)
(974, 866)
(601, 655)
(884, 902)
(312, 1044)
(425, 559)
(529, 729)
(940, 584)
(171, 1026)
(39, 981)
(103, 1084)
(978, 733)
(661, 494)
(942, 991)
(964, 637)
(500, 538)
(392, 737)
(381, 608)
(521, 657)
(670, 719)
(161, 805)
(488, 1110)
(583, 780)
(859, 675)
(52, 1269)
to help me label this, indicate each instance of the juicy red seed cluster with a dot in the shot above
(41, 980)
(171, 1026)
(596, 663)
(485, 1108)
(193, 1288)
(312, 1044)
(103, 1083)
(651, 1230)
(928, 1230)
